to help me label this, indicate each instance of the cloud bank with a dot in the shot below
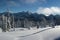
(48, 11)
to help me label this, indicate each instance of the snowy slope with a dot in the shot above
(50, 34)
(40, 34)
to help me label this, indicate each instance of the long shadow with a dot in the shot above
(36, 32)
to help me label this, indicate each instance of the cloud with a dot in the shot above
(30, 1)
(12, 3)
(33, 1)
(48, 11)
(43, 1)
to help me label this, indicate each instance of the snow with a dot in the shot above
(57, 26)
(0, 30)
(33, 34)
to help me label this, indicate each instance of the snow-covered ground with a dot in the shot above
(33, 34)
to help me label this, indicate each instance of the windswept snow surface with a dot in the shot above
(33, 34)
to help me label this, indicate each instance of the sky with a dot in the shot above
(40, 6)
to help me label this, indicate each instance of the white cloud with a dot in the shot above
(30, 1)
(48, 11)
(33, 1)
(12, 3)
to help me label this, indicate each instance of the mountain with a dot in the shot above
(35, 17)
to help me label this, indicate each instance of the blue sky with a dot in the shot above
(27, 5)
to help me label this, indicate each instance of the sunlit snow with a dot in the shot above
(32, 34)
